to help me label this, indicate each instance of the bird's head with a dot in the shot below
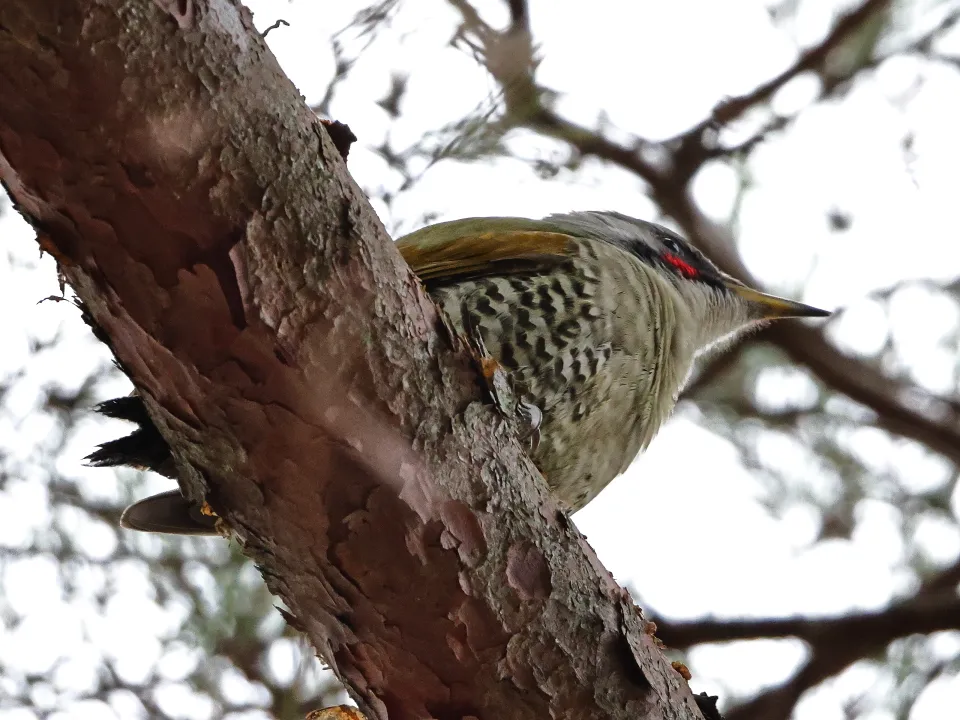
(714, 303)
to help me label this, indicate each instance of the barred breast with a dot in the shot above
(586, 344)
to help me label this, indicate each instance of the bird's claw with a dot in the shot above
(496, 376)
(532, 417)
(502, 390)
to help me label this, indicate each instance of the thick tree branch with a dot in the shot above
(868, 636)
(901, 408)
(915, 616)
(833, 643)
(301, 376)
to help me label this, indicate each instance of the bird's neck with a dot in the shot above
(706, 321)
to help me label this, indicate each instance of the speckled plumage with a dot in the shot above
(599, 317)
(559, 333)
(594, 342)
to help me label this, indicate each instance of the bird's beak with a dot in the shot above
(770, 307)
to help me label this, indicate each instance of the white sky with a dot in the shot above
(653, 68)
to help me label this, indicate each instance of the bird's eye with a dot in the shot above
(673, 246)
(677, 257)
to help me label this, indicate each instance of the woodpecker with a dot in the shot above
(597, 316)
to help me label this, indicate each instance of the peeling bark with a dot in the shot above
(300, 374)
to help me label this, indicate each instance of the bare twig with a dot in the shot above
(277, 24)
(812, 59)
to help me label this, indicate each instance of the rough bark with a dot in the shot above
(300, 374)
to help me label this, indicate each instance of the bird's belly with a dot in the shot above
(579, 457)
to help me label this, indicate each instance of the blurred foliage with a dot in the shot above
(147, 627)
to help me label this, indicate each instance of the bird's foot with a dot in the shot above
(503, 391)
(532, 418)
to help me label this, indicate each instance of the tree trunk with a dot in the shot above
(302, 377)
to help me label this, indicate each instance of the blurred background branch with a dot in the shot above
(810, 477)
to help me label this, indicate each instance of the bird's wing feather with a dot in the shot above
(450, 252)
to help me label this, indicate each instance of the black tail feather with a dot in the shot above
(129, 408)
(144, 448)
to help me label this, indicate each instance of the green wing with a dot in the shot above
(448, 252)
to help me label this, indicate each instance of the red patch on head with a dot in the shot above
(684, 268)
